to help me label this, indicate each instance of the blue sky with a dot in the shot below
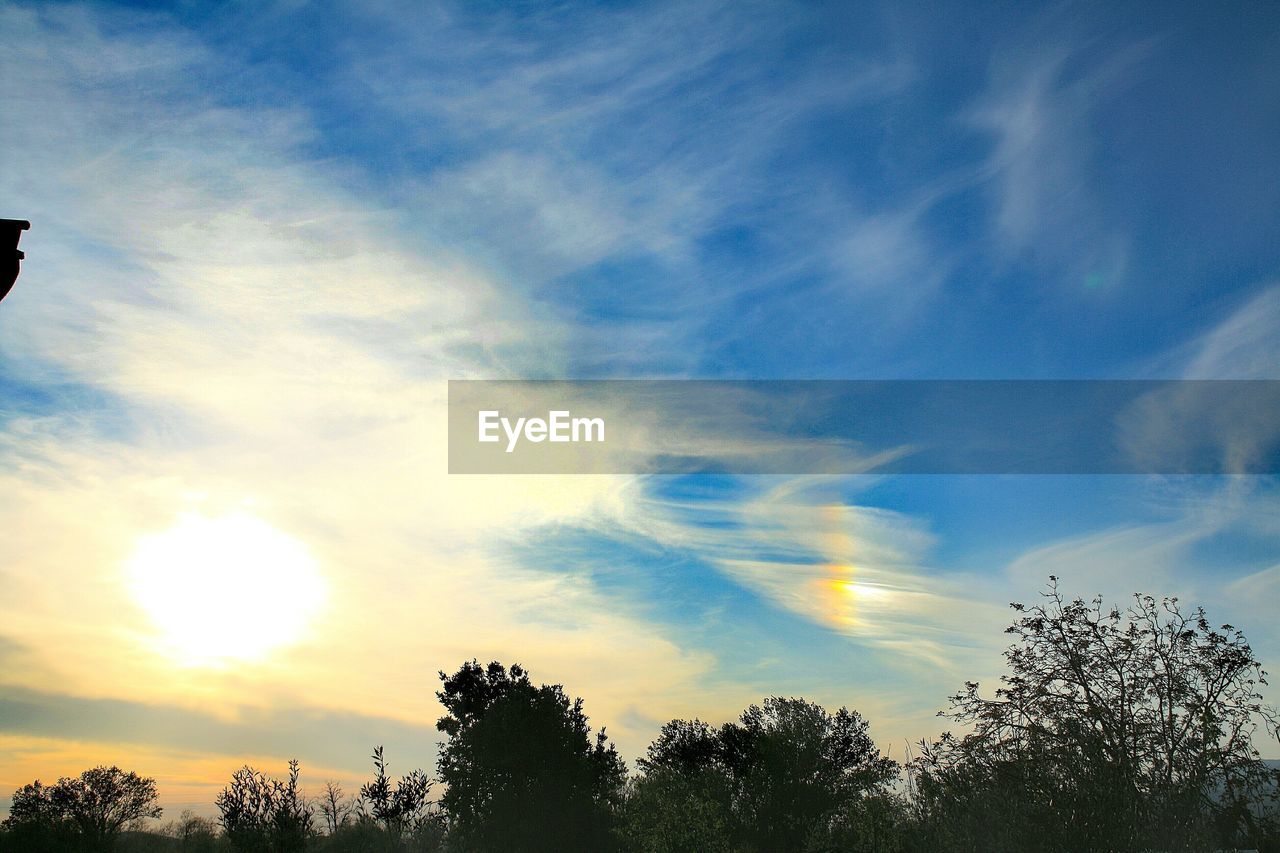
(264, 235)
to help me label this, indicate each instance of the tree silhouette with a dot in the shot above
(684, 746)
(672, 810)
(792, 769)
(1113, 730)
(796, 764)
(35, 823)
(86, 812)
(522, 769)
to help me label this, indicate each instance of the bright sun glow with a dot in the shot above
(863, 590)
(225, 589)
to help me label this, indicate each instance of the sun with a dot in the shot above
(226, 589)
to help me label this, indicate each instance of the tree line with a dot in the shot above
(1112, 730)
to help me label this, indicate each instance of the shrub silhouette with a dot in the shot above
(265, 815)
(402, 811)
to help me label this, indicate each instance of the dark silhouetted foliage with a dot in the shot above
(786, 776)
(1114, 730)
(672, 810)
(522, 768)
(265, 815)
(796, 766)
(193, 833)
(84, 813)
(402, 811)
(683, 799)
(35, 823)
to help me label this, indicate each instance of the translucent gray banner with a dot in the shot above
(864, 426)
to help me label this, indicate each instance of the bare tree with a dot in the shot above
(336, 807)
(194, 834)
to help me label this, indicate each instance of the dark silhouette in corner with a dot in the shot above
(10, 258)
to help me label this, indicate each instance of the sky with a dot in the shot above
(265, 235)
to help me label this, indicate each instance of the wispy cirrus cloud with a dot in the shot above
(633, 148)
(1244, 345)
(857, 570)
(1043, 93)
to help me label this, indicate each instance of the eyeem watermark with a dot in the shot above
(1078, 427)
(558, 426)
